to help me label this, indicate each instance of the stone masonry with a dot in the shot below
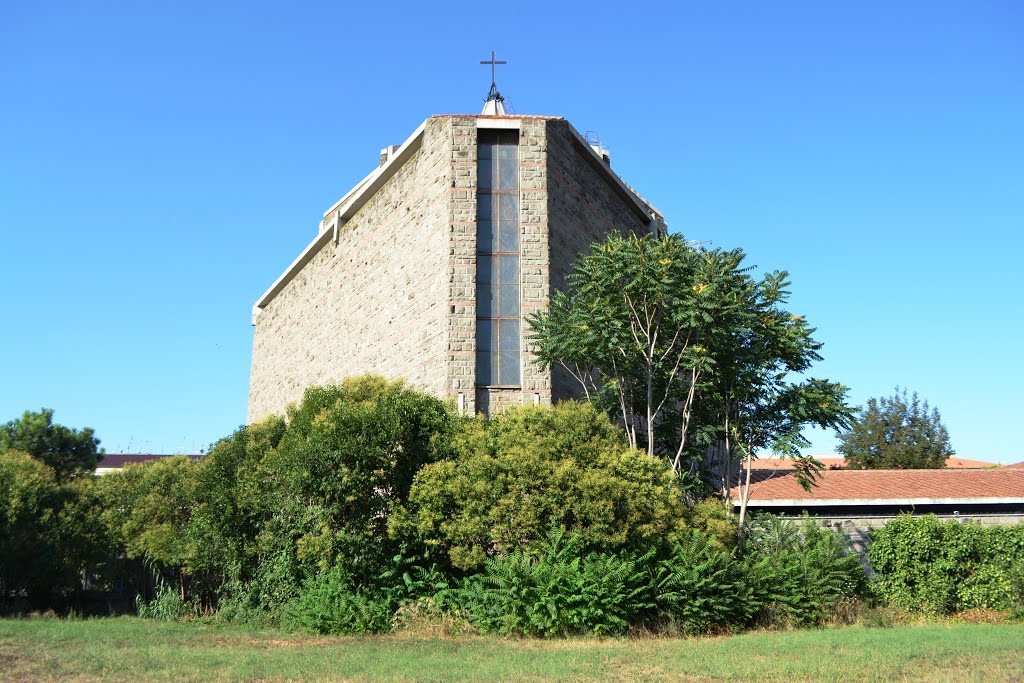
(388, 285)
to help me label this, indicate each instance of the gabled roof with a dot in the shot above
(779, 488)
(1016, 466)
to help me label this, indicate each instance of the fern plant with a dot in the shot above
(700, 587)
(550, 590)
(800, 572)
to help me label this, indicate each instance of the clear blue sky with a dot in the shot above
(162, 163)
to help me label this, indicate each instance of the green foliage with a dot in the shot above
(166, 605)
(330, 603)
(924, 564)
(688, 351)
(713, 517)
(29, 497)
(533, 467)
(896, 433)
(700, 587)
(70, 452)
(344, 467)
(49, 533)
(233, 521)
(633, 327)
(148, 508)
(801, 574)
(550, 590)
(333, 602)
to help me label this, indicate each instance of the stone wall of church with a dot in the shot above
(583, 208)
(533, 224)
(377, 301)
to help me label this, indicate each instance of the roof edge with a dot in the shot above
(345, 208)
(824, 502)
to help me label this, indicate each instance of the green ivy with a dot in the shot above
(924, 564)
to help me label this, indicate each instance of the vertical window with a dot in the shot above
(497, 259)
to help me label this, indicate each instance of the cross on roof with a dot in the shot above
(493, 62)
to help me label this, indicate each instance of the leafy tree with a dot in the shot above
(750, 402)
(29, 497)
(148, 508)
(49, 533)
(896, 433)
(632, 329)
(531, 468)
(690, 352)
(70, 452)
(231, 501)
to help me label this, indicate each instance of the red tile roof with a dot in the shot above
(836, 462)
(1016, 466)
(877, 487)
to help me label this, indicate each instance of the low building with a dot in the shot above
(857, 501)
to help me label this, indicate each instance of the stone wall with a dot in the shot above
(396, 295)
(375, 302)
(583, 208)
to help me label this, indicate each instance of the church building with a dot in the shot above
(427, 269)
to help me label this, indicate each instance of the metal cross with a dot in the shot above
(492, 62)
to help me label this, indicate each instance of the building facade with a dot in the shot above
(427, 269)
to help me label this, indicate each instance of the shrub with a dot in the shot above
(800, 573)
(533, 467)
(50, 534)
(166, 605)
(345, 465)
(924, 564)
(700, 587)
(550, 590)
(331, 604)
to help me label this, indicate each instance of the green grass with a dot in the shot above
(130, 649)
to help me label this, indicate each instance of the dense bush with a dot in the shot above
(516, 475)
(701, 587)
(50, 534)
(373, 504)
(800, 573)
(922, 563)
(344, 467)
(549, 589)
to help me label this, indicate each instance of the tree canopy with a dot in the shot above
(70, 452)
(896, 432)
(689, 351)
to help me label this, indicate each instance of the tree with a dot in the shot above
(896, 433)
(690, 352)
(70, 452)
(750, 402)
(633, 328)
(50, 533)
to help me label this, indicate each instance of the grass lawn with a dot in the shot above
(130, 649)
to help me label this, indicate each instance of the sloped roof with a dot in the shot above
(836, 462)
(779, 488)
(1016, 466)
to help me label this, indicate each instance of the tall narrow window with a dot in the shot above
(497, 259)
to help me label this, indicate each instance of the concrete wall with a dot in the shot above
(376, 301)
